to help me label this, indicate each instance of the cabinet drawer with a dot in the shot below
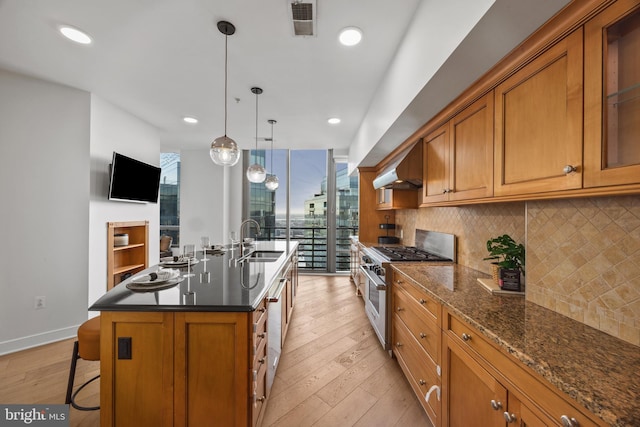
(260, 353)
(430, 306)
(419, 369)
(420, 326)
(259, 395)
(260, 311)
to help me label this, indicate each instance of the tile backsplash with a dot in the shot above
(583, 255)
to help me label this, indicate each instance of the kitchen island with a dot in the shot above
(535, 356)
(194, 353)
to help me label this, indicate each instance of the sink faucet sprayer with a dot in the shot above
(246, 221)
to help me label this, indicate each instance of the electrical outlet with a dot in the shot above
(40, 302)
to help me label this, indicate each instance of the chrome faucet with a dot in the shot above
(246, 221)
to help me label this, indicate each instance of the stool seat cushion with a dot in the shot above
(89, 339)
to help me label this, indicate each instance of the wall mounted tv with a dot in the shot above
(133, 181)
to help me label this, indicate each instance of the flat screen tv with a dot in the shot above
(133, 181)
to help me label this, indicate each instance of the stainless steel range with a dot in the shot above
(430, 246)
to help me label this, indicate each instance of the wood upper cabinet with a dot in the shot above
(538, 123)
(458, 156)
(612, 96)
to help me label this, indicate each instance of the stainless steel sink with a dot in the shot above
(264, 256)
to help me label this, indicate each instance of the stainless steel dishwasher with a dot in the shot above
(275, 299)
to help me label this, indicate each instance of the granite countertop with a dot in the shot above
(597, 370)
(219, 284)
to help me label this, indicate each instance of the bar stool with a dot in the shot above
(86, 347)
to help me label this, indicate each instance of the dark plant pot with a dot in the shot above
(510, 279)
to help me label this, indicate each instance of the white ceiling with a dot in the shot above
(164, 59)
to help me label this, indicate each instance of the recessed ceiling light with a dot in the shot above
(350, 36)
(333, 121)
(190, 120)
(75, 34)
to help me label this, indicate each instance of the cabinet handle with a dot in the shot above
(423, 335)
(510, 418)
(261, 335)
(568, 169)
(569, 422)
(496, 405)
(261, 360)
(466, 337)
(261, 399)
(399, 309)
(262, 309)
(422, 382)
(399, 344)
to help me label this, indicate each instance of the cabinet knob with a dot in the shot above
(510, 418)
(399, 282)
(423, 301)
(466, 337)
(399, 309)
(423, 335)
(261, 399)
(496, 405)
(569, 422)
(262, 309)
(568, 169)
(261, 360)
(398, 344)
(422, 382)
(261, 335)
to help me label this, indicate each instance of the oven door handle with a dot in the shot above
(374, 278)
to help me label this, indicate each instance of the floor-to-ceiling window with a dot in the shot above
(315, 204)
(170, 196)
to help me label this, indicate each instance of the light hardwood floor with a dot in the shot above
(333, 371)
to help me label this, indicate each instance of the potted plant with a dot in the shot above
(508, 256)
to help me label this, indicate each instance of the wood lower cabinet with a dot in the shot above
(483, 386)
(182, 368)
(416, 343)
(538, 123)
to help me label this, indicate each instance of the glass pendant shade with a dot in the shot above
(256, 173)
(272, 183)
(224, 151)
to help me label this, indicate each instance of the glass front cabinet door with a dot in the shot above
(612, 96)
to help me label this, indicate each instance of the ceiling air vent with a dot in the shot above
(303, 17)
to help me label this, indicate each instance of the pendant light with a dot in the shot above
(224, 150)
(272, 180)
(256, 172)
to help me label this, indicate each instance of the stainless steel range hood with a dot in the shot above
(404, 172)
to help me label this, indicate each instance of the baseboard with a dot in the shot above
(37, 340)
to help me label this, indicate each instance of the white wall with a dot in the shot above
(113, 129)
(56, 143)
(44, 188)
(210, 198)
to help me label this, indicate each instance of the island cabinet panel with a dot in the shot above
(136, 360)
(538, 123)
(211, 369)
(182, 368)
(612, 96)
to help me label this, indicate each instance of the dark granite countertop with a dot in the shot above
(597, 370)
(218, 284)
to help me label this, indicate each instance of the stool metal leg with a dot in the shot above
(70, 398)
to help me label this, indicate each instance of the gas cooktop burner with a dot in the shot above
(407, 253)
